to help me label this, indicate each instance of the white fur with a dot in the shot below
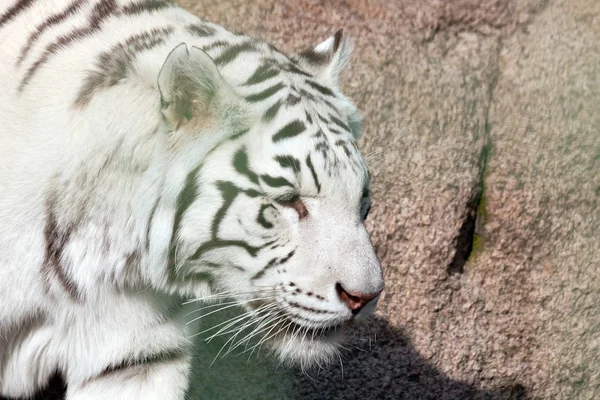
(105, 168)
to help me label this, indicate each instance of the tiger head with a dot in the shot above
(272, 215)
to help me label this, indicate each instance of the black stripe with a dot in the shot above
(228, 192)
(316, 58)
(287, 258)
(308, 95)
(329, 104)
(272, 112)
(292, 100)
(215, 244)
(260, 273)
(262, 73)
(212, 264)
(292, 129)
(100, 12)
(145, 6)
(240, 163)
(321, 88)
(339, 123)
(253, 98)
(308, 118)
(288, 162)
(184, 200)
(146, 359)
(323, 147)
(201, 30)
(251, 193)
(186, 197)
(310, 166)
(261, 216)
(214, 45)
(272, 263)
(149, 225)
(15, 10)
(49, 22)
(294, 69)
(343, 145)
(239, 134)
(57, 238)
(237, 267)
(114, 65)
(310, 309)
(198, 276)
(275, 182)
(231, 53)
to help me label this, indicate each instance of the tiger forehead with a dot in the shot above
(290, 103)
(321, 131)
(314, 163)
(273, 88)
(299, 119)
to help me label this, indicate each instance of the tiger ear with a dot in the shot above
(327, 60)
(190, 86)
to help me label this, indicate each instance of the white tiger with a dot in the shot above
(148, 156)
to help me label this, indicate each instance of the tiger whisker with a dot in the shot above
(232, 321)
(257, 330)
(263, 324)
(373, 158)
(286, 326)
(230, 293)
(273, 320)
(221, 296)
(212, 312)
(282, 318)
(276, 333)
(229, 303)
(288, 342)
(264, 339)
(341, 363)
(225, 330)
(222, 347)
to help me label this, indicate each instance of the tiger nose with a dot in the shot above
(355, 301)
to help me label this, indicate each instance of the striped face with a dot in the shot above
(284, 198)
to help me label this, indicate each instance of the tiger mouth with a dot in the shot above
(289, 328)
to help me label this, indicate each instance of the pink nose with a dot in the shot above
(355, 301)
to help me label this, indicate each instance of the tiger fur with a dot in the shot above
(148, 157)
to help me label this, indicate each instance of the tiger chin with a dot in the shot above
(147, 156)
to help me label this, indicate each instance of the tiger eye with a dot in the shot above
(300, 208)
(297, 204)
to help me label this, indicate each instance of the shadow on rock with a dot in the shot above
(390, 369)
(380, 363)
